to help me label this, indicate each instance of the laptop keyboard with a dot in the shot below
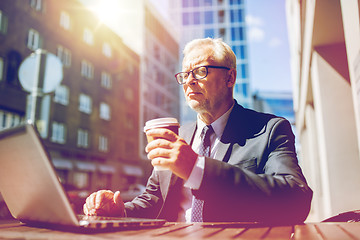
(96, 218)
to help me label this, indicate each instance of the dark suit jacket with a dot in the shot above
(258, 179)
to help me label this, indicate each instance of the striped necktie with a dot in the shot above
(204, 150)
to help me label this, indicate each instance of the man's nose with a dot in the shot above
(190, 80)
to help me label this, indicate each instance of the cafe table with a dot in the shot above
(185, 231)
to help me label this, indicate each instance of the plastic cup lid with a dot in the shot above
(161, 122)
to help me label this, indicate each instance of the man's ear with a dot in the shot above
(231, 78)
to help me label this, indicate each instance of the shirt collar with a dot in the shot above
(219, 124)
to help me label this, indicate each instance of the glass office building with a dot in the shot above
(278, 103)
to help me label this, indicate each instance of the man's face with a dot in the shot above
(205, 95)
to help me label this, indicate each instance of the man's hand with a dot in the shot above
(170, 151)
(104, 203)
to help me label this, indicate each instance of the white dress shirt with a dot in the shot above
(196, 176)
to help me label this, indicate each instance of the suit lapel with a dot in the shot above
(236, 127)
(231, 133)
(222, 150)
(187, 132)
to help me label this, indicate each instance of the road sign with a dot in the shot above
(41, 72)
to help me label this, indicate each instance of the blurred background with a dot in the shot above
(117, 59)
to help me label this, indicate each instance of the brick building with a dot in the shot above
(90, 124)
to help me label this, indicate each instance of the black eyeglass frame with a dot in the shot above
(192, 72)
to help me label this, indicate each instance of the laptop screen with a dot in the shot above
(28, 181)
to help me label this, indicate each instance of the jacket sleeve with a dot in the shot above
(148, 204)
(275, 191)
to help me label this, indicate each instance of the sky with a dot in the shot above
(268, 52)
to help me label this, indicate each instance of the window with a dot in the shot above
(58, 133)
(62, 95)
(81, 180)
(243, 71)
(103, 144)
(33, 41)
(1, 69)
(222, 32)
(106, 81)
(156, 52)
(209, 33)
(235, 2)
(106, 50)
(221, 16)
(196, 17)
(3, 23)
(196, 3)
(83, 138)
(130, 122)
(209, 17)
(236, 15)
(232, 16)
(159, 76)
(242, 52)
(85, 103)
(240, 15)
(87, 69)
(105, 111)
(244, 87)
(8, 119)
(185, 3)
(237, 33)
(208, 2)
(88, 36)
(65, 20)
(186, 18)
(65, 56)
(36, 4)
(3, 120)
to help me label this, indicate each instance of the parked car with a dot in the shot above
(133, 191)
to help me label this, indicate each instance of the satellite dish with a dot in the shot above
(41, 72)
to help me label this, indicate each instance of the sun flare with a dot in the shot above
(106, 10)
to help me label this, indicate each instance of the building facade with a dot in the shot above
(155, 39)
(90, 124)
(324, 38)
(159, 89)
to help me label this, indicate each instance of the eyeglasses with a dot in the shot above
(198, 73)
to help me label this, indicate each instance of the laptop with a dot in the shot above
(33, 192)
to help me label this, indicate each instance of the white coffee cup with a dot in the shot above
(168, 123)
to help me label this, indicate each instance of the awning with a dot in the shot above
(107, 169)
(64, 164)
(132, 170)
(85, 166)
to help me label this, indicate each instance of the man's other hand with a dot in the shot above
(104, 203)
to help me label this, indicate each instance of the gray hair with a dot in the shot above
(222, 52)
